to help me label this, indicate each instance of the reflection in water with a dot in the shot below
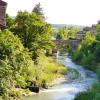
(67, 90)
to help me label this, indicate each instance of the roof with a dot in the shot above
(2, 3)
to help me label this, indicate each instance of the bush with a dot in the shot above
(97, 96)
(98, 70)
(88, 55)
(14, 63)
(91, 94)
(48, 69)
(84, 96)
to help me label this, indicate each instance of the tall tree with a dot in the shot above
(34, 32)
(38, 9)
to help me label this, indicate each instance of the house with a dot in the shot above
(80, 35)
(3, 6)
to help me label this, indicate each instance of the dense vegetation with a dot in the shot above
(88, 55)
(24, 47)
(66, 33)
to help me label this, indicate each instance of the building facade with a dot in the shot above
(3, 6)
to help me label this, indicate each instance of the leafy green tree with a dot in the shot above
(88, 54)
(61, 33)
(85, 54)
(9, 21)
(66, 33)
(98, 32)
(14, 63)
(98, 28)
(34, 32)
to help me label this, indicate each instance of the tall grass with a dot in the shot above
(91, 94)
(46, 71)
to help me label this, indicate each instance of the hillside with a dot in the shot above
(61, 25)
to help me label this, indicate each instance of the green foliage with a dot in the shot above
(97, 96)
(14, 63)
(65, 48)
(91, 94)
(88, 54)
(66, 33)
(48, 70)
(34, 32)
(9, 22)
(17, 67)
(22, 54)
(98, 28)
(84, 96)
(98, 70)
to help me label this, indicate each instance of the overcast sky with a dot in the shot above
(77, 12)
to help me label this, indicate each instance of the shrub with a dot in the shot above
(84, 96)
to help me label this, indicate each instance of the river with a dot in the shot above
(68, 90)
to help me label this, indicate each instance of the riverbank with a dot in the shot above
(71, 75)
(88, 55)
(22, 93)
(52, 73)
(66, 90)
(59, 80)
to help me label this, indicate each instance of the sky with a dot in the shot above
(77, 12)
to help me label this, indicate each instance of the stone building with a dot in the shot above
(80, 35)
(93, 29)
(3, 6)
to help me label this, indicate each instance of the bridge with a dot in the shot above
(59, 43)
(73, 43)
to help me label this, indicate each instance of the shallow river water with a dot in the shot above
(68, 90)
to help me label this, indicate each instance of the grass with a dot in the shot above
(46, 71)
(92, 94)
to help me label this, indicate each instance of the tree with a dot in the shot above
(38, 9)
(85, 55)
(9, 21)
(66, 33)
(34, 32)
(98, 32)
(14, 64)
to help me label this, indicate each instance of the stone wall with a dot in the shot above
(73, 43)
(3, 6)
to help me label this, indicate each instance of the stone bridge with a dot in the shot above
(59, 43)
(72, 43)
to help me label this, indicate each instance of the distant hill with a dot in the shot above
(13, 17)
(56, 26)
